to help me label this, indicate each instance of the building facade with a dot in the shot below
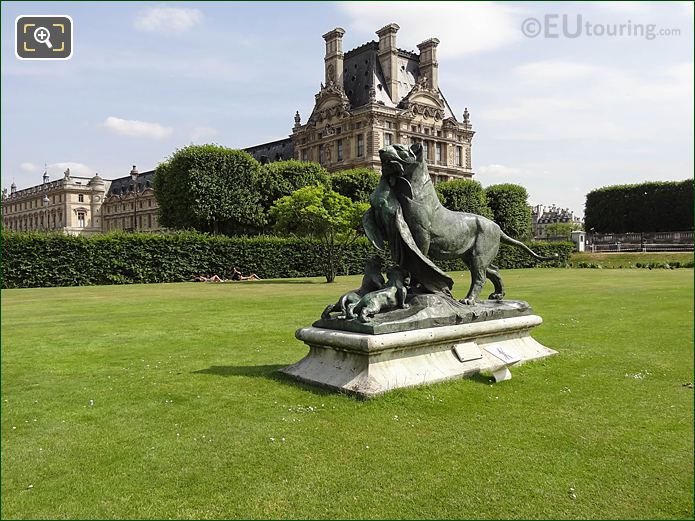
(131, 205)
(373, 96)
(71, 204)
(542, 216)
(82, 205)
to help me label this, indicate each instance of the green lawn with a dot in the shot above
(163, 401)
(626, 260)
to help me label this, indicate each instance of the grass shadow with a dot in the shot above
(480, 378)
(269, 372)
(281, 281)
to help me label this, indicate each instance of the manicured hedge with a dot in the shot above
(646, 207)
(464, 195)
(39, 260)
(510, 209)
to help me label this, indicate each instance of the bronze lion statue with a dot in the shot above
(407, 214)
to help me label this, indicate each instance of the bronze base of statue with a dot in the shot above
(428, 310)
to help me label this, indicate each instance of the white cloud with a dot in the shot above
(462, 28)
(77, 169)
(553, 70)
(497, 171)
(134, 128)
(168, 19)
(29, 167)
(202, 133)
(555, 99)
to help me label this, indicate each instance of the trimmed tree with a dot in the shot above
(356, 184)
(315, 213)
(281, 178)
(209, 188)
(464, 195)
(646, 207)
(510, 209)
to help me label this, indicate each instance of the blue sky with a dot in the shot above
(560, 116)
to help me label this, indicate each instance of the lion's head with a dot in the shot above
(401, 160)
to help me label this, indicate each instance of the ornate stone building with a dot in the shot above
(126, 208)
(373, 96)
(82, 205)
(71, 204)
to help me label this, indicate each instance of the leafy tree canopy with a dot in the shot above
(315, 212)
(356, 184)
(281, 178)
(510, 210)
(209, 188)
(464, 195)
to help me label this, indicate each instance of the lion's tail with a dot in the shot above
(508, 240)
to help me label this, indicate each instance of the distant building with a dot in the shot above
(542, 216)
(71, 204)
(128, 209)
(82, 205)
(373, 96)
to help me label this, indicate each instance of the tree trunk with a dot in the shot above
(330, 267)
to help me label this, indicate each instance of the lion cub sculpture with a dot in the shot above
(390, 297)
(373, 280)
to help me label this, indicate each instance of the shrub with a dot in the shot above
(356, 184)
(209, 188)
(464, 195)
(510, 209)
(645, 207)
(38, 260)
(281, 178)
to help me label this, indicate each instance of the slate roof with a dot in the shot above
(279, 150)
(123, 185)
(362, 70)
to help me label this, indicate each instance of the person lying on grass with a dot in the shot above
(203, 278)
(237, 275)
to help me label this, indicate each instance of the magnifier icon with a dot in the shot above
(42, 35)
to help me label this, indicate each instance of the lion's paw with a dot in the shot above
(467, 301)
(496, 296)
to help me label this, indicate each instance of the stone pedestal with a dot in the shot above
(370, 364)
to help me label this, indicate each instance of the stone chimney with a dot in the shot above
(334, 56)
(429, 68)
(388, 58)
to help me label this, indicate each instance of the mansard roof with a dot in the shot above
(279, 150)
(123, 185)
(362, 73)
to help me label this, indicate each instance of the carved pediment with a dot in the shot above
(450, 122)
(424, 100)
(422, 110)
(331, 101)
